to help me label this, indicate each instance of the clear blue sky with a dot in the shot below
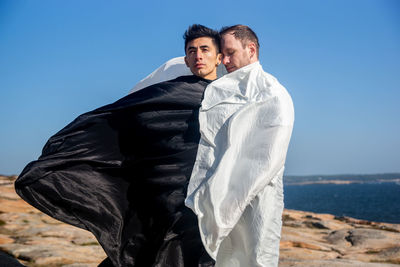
(339, 59)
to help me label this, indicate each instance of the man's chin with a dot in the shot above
(201, 73)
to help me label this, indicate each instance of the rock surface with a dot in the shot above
(34, 239)
(310, 239)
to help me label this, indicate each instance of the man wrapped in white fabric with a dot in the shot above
(246, 120)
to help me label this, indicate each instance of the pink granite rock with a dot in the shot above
(308, 239)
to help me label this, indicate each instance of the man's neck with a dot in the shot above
(208, 77)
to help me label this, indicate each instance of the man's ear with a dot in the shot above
(253, 50)
(219, 58)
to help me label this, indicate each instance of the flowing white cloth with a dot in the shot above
(246, 120)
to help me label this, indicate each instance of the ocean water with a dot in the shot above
(378, 202)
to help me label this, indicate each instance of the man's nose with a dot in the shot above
(225, 60)
(199, 54)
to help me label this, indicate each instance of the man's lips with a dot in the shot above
(199, 65)
(230, 68)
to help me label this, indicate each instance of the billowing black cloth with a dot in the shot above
(121, 172)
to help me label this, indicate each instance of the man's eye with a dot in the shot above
(228, 53)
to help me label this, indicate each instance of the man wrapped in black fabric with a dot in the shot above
(122, 170)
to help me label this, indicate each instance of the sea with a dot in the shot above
(379, 202)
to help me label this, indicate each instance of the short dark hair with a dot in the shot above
(242, 33)
(196, 31)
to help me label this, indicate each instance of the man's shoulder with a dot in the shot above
(265, 77)
(181, 81)
(188, 87)
(181, 85)
(268, 80)
(187, 79)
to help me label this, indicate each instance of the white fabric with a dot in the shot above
(246, 120)
(171, 69)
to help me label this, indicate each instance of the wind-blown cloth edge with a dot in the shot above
(121, 172)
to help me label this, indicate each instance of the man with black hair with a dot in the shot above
(202, 49)
(122, 170)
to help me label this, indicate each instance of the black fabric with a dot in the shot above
(121, 172)
(9, 261)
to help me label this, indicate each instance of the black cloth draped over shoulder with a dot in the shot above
(121, 171)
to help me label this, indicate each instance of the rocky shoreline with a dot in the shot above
(310, 239)
(29, 237)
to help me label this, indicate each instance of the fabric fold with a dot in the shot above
(121, 172)
(246, 120)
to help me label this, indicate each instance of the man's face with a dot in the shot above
(234, 54)
(202, 58)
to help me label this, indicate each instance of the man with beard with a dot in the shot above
(122, 170)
